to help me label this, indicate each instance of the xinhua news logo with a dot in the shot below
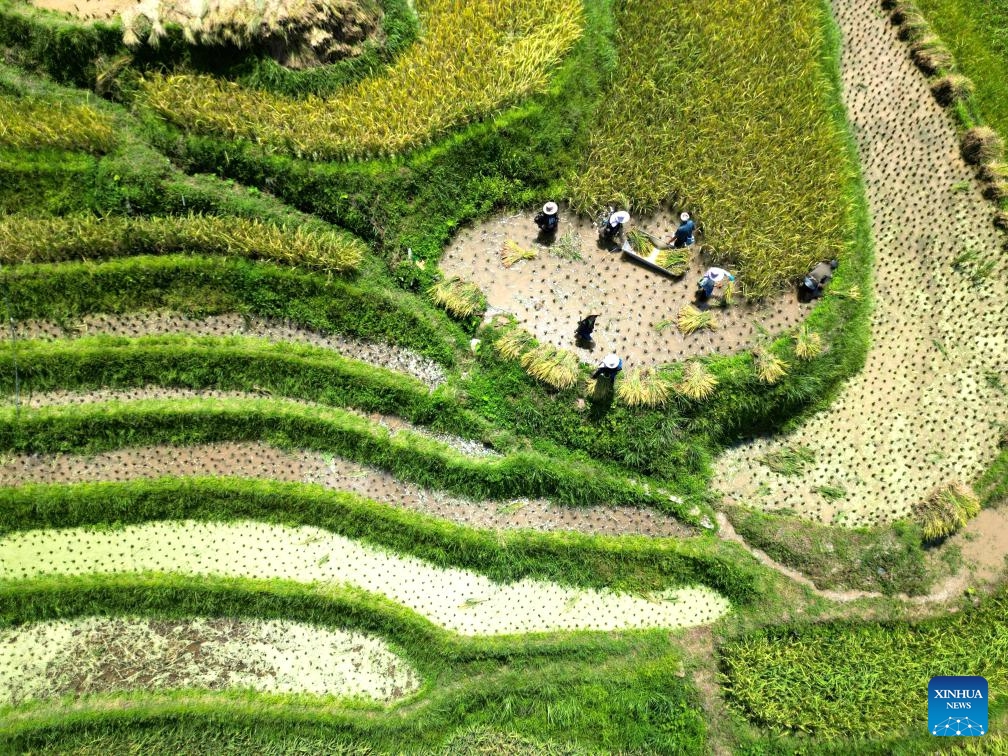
(957, 706)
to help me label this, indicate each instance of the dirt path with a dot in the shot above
(928, 406)
(549, 294)
(257, 460)
(135, 324)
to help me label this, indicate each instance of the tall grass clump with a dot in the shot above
(473, 58)
(87, 237)
(28, 123)
(742, 86)
(697, 381)
(643, 387)
(297, 33)
(945, 511)
(558, 368)
(462, 299)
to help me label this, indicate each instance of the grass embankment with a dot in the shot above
(974, 31)
(470, 62)
(719, 108)
(256, 366)
(197, 285)
(86, 237)
(99, 427)
(627, 563)
(604, 691)
(822, 679)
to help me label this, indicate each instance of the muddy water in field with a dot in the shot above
(927, 408)
(548, 294)
(256, 460)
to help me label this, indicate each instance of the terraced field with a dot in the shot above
(293, 459)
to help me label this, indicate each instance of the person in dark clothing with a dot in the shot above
(611, 226)
(583, 334)
(684, 234)
(609, 368)
(814, 283)
(548, 219)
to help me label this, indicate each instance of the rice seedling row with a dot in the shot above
(99, 654)
(254, 460)
(459, 600)
(471, 61)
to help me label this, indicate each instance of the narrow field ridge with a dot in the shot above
(927, 408)
(102, 654)
(135, 324)
(261, 461)
(394, 425)
(459, 600)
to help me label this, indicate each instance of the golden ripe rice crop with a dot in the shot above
(557, 367)
(514, 343)
(461, 298)
(474, 58)
(643, 387)
(26, 239)
(29, 124)
(738, 132)
(697, 381)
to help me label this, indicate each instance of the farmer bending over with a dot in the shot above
(713, 282)
(548, 219)
(816, 279)
(684, 234)
(608, 368)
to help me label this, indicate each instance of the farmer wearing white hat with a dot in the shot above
(548, 219)
(713, 280)
(684, 234)
(612, 227)
(608, 368)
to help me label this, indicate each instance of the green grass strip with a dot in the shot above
(608, 691)
(974, 30)
(822, 679)
(288, 370)
(993, 484)
(100, 427)
(627, 562)
(87, 237)
(211, 285)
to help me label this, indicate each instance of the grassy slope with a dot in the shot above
(976, 31)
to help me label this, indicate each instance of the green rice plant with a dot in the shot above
(761, 58)
(462, 299)
(297, 33)
(808, 343)
(643, 387)
(25, 239)
(676, 261)
(727, 294)
(512, 253)
(691, 319)
(790, 461)
(472, 59)
(945, 511)
(769, 367)
(697, 381)
(29, 123)
(568, 246)
(558, 368)
(514, 343)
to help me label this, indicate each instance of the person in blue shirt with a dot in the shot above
(713, 281)
(548, 220)
(684, 234)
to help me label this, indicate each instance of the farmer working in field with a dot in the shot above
(684, 234)
(608, 368)
(548, 219)
(816, 279)
(583, 334)
(611, 226)
(713, 282)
